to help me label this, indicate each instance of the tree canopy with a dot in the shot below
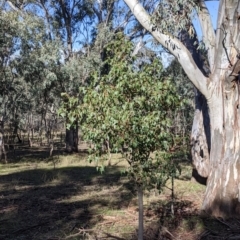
(127, 106)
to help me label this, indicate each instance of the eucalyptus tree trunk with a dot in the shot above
(215, 148)
(72, 139)
(222, 195)
(215, 135)
(2, 147)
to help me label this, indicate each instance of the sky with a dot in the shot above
(213, 9)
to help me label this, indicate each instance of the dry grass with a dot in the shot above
(64, 197)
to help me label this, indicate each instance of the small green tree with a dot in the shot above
(127, 105)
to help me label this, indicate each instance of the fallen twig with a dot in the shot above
(81, 231)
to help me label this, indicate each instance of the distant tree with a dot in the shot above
(52, 46)
(43, 59)
(182, 116)
(84, 28)
(28, 66)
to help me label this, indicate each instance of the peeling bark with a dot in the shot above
(200, 137)
(222, 197)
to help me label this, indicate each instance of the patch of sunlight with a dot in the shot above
(13, 167)
(188, 186)
(111, 212)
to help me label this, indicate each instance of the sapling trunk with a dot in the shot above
(140, 213)
(172, 203)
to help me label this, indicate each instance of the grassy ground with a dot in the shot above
(64, 197)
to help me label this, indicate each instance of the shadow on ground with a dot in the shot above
(33, 154)
(46, 204)
(80, 203)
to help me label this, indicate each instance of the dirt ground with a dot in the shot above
(64, 197)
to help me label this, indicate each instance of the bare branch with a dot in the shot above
(13, 7)
(138, 46)
(110, 13)
(208, 32)
(173, 45)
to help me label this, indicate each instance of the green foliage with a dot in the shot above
(46, 48)
(182, 116)
(155, 171)
(13, 90)
(29, 62)
(33, 67)
(129, 109)
(174, 16)
(69, 109)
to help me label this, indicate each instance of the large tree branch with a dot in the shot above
(110, 13)
(173, 45)
(13, 7)
(208, 32)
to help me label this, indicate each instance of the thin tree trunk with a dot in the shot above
(51, 146)
(29, 140)
(2, 147)
(140, 213)
(106, 143)
(172, 203)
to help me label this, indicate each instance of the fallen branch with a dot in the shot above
(81, 231)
